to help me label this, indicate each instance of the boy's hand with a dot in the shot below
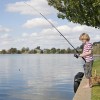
(76, 55)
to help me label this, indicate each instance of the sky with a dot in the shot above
(22, 26)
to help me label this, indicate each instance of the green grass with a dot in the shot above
(96, 88)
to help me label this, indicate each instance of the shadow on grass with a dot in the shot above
(96, 85)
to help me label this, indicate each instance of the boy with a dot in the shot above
(88, 56)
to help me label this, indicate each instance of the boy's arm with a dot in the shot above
(86, 53)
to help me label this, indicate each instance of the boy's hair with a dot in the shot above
(84, 36)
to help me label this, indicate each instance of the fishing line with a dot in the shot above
(54, 27)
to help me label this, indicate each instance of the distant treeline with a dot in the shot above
(96, 47)
(38, 50)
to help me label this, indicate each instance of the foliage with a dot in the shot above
(3, 51)
(12, 51)
(36, 50)
(84, 12)
(53, 50)
(38, 47)
(96, 47)
(26, 50)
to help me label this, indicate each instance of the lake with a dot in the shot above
(38, 76)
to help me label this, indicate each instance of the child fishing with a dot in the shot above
(88, 56)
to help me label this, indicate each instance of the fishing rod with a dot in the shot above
(54, 27)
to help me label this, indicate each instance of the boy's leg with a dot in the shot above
(88, 74)
(90, 82)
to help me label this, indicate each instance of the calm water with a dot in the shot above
(38, 77)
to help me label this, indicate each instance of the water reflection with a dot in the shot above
(41, 77)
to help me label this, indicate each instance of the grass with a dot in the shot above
(96, 88)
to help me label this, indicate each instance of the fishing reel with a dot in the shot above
(76, 55)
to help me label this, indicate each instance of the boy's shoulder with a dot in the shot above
(88, 43)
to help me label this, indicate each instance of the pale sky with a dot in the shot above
(21, 26)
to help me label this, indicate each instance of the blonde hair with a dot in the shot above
(84, 36)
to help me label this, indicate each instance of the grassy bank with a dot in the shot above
(96, 88)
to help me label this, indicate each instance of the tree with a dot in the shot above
(41, 52)
(34, 51)
(23, 50)
(63, 51)
(53, 50)
(48, 51)
(96, 48)
(68, 50)
(58, 51)
(12, 51)
(3, 51)
(18, 52)
(84, 12)
(38, 47)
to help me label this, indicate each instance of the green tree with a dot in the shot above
(23, 50)
(85, 12)
(68, 50)
(53, 50)
(34, 51)
(48, 51)
(63, 51)
(12, 51)
(41, 52)
(3, 51)
(58, 51)
(18, 52)
(96, 48)
(38, 47)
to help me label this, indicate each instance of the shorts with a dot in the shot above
(88, 69)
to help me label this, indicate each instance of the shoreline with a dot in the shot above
(86, 94)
